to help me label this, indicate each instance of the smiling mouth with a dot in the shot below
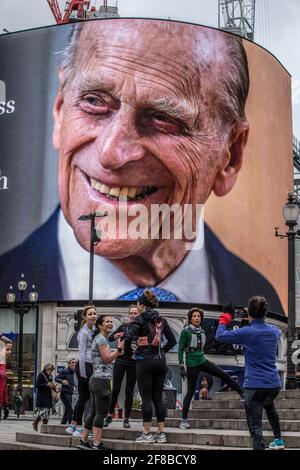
(132, 193)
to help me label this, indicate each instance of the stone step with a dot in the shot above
(211, 437)
(29, 446)
(202, 423)
(294, 394)
(29, 441)
(237, 424)
(239, 404)
(228, 413)
(45, 439)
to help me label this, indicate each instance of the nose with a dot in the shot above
(121, 143)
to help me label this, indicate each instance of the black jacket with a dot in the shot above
(140, 327)
(66, 374)
(43, 396)
(128, 352)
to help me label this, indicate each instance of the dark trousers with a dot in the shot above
(257, 400)
(66, 398)
(192, 375)
(118, 373)
(100, 401)
(83, 392)
(151, 374)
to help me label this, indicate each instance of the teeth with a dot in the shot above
(103, 188)
(132, 192)
(114, 192)
(124, 192)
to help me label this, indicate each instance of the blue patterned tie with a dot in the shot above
(162, 294)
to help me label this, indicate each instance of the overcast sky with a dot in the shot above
(277, 25)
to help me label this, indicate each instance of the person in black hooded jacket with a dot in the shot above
(151, 367)
(125, 363)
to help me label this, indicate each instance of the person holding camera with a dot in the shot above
(191, 342)
(124, 364)
(262, 381)
(83, 368)
(100, 388)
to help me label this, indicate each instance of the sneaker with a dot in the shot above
(84, 445)
(107, 421)
(277, 444)
(126, 424)
(78, 432)
(160, 437)
(145, 438)
(100, 446)
(70, 429)
(184, 424)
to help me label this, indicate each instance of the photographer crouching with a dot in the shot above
(262, 382)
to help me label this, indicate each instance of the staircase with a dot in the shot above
(216, 424)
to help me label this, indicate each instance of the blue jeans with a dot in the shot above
(257, 400)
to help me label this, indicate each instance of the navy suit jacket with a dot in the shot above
(38, 258)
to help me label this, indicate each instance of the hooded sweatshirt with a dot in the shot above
(140, 328)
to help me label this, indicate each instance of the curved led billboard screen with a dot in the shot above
(180, 134)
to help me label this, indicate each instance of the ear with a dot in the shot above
(58, 114)
(232, 159)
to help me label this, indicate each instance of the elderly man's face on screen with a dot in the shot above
(148, 110)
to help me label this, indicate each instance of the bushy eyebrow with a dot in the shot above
(179, 109)
(88, 82)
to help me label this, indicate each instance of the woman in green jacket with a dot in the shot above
(191, 342)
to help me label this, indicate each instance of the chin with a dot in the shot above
(120, 249)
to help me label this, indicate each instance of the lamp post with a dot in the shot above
(21, 308)
(291, 213)
(95, 238)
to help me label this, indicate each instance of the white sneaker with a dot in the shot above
(78, 432)
(70, 429)
(145, 438)
(184, 424)
(160, 437)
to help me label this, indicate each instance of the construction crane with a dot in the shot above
(237, 16)
(77, 10)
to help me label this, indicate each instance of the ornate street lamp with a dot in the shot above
(291, 212)
(95, 238)
(21, 308)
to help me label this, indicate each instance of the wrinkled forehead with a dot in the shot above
(189, 48)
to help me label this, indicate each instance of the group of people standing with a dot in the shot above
(142, 344)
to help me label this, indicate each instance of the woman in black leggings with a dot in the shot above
(151, 367)
(100, 389)
(124, 364)
(191, 342)
(83, 368)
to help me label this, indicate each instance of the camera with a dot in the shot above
(241, 312)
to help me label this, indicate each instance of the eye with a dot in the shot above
(95, 104)
(162, 123)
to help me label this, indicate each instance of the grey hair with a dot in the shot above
(69, 52)
(231, 88)
(232, 84)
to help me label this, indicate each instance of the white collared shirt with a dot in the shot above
(192, 281)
